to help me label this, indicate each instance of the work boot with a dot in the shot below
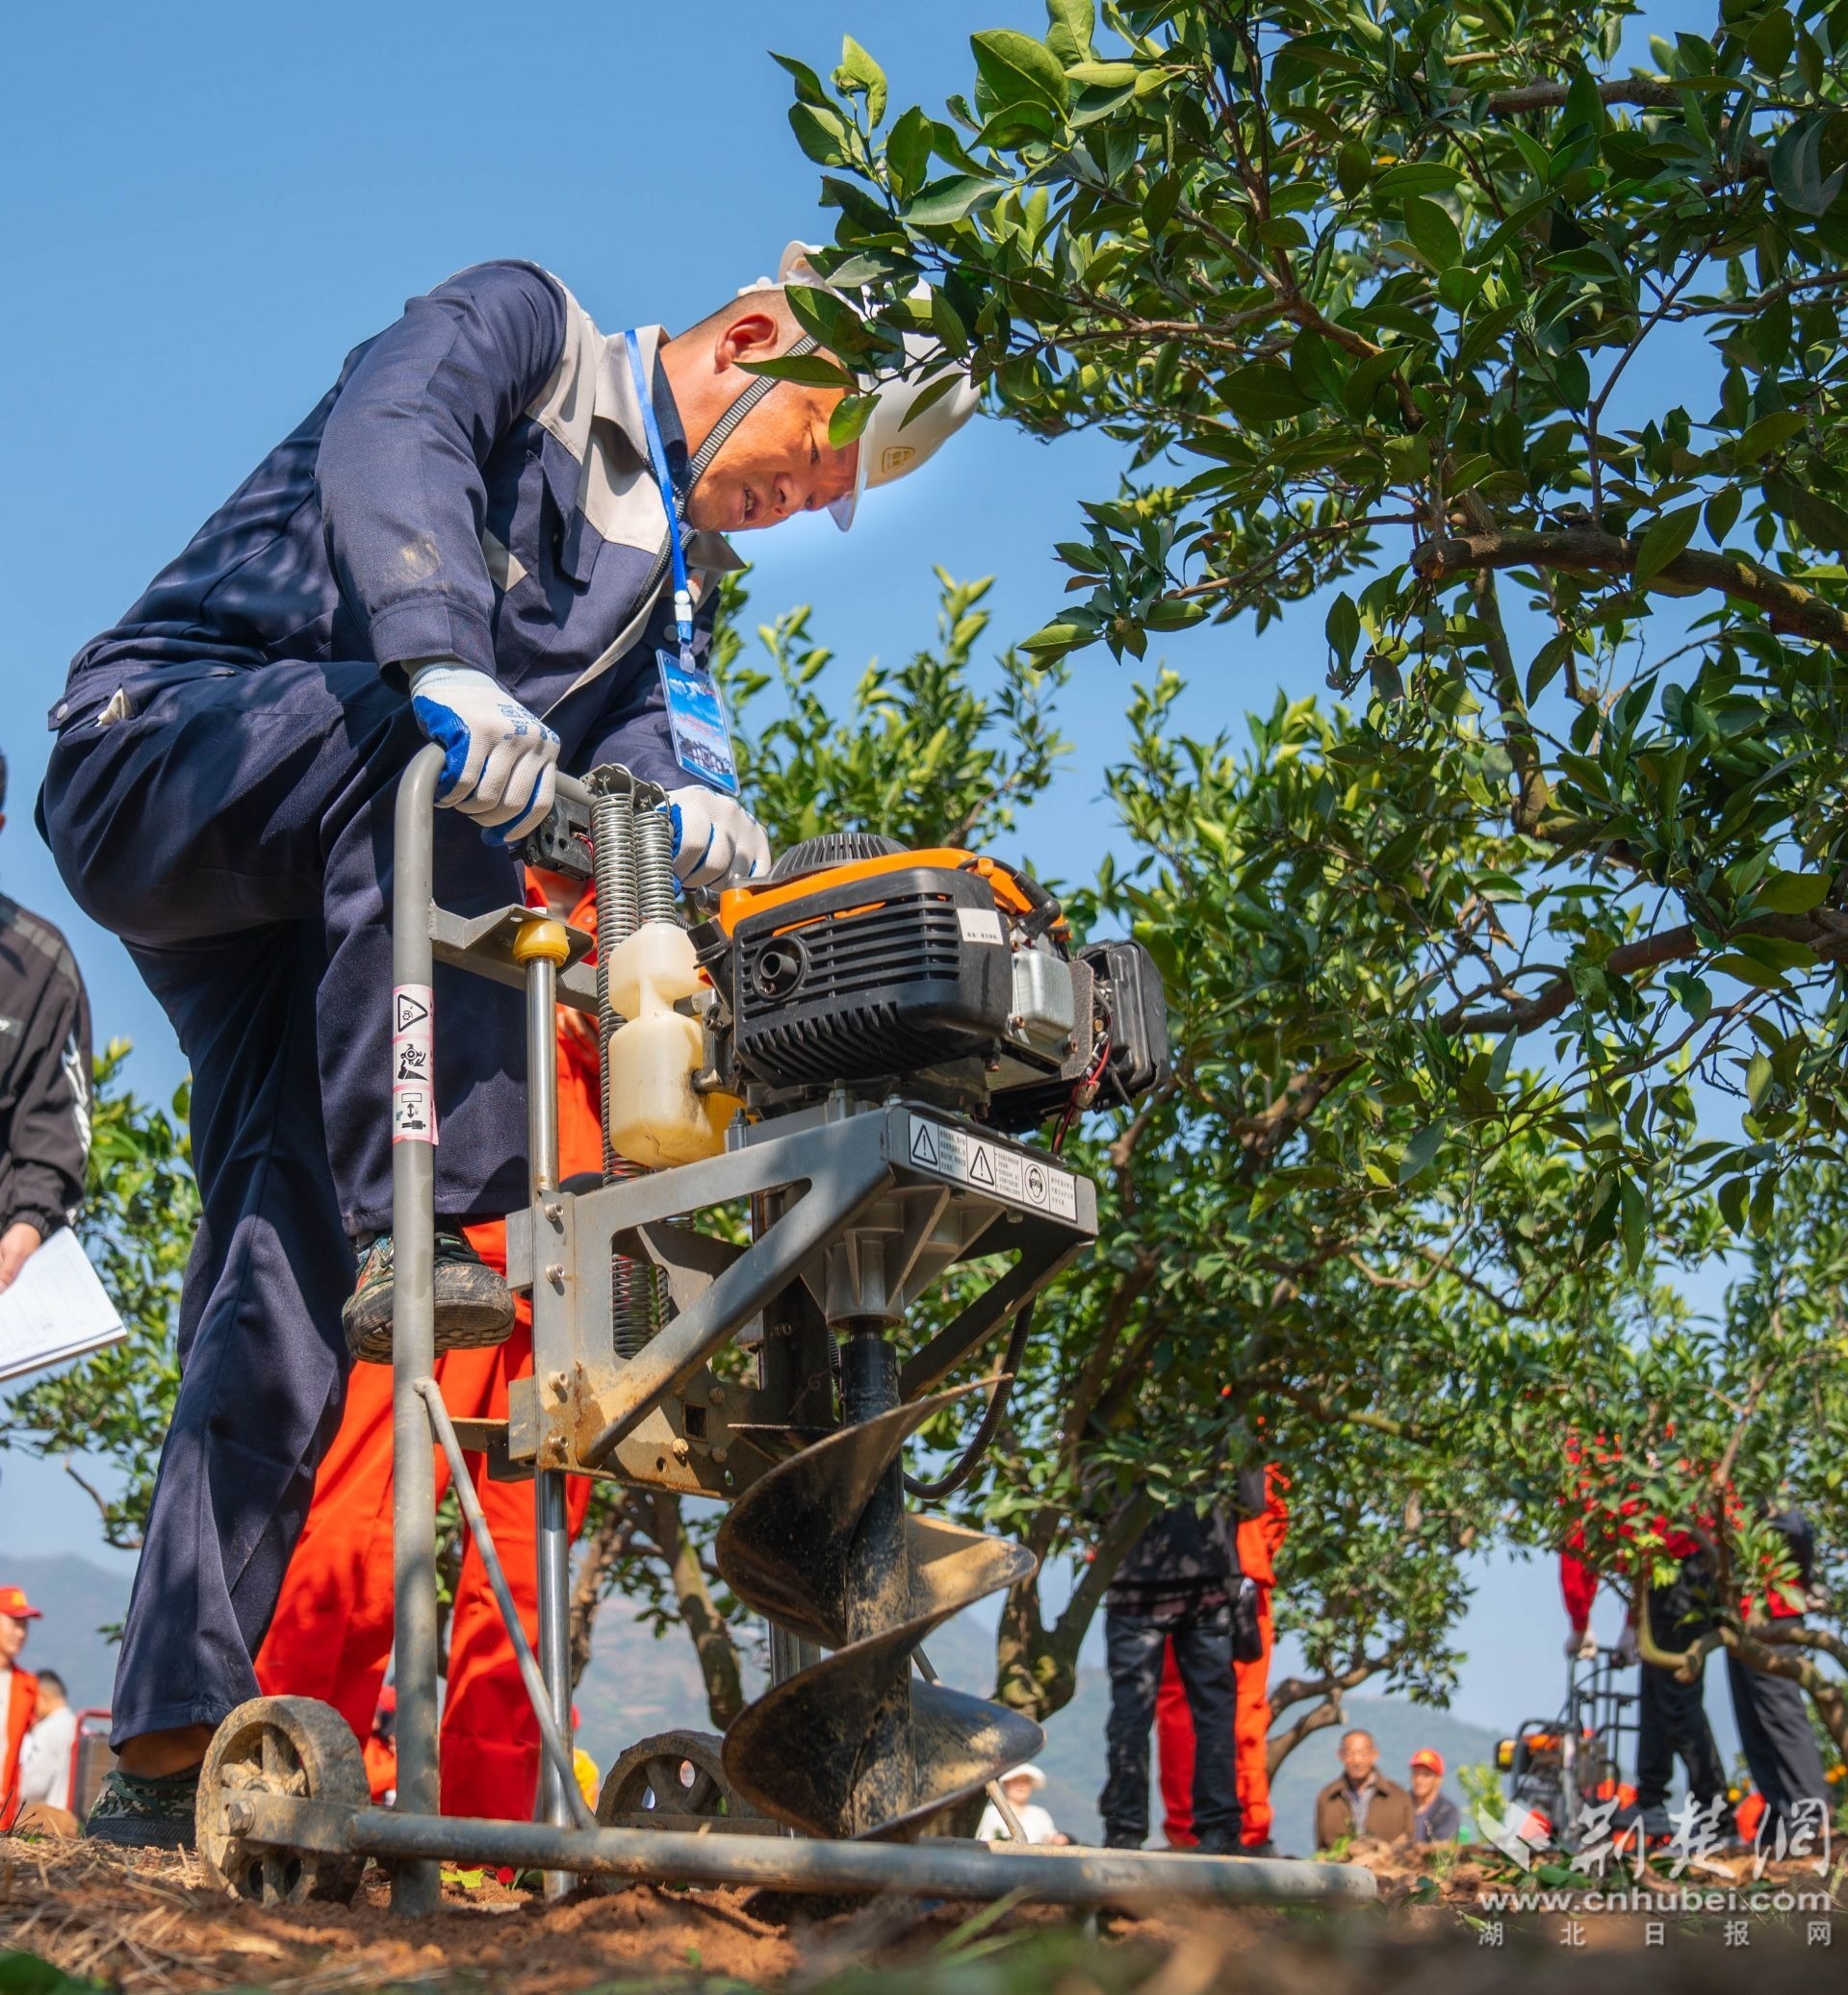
(145, 1811)
(473, 1305)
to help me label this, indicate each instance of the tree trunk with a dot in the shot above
(602, 1550)
(713, 1642)
(1318, 1718)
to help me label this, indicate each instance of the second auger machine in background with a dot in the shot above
(814, 1105)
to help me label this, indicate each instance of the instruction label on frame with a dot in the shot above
(413, 1065)
(995, 1169)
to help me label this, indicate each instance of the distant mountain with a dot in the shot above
(79, 1601)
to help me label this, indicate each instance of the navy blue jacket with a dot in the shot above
(475, 486)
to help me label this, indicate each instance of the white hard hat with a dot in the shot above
(889, 447)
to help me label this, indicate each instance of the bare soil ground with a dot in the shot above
(150, 1923)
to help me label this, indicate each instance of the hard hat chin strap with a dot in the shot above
(723, 428)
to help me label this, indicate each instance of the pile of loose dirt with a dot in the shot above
(149, 1921)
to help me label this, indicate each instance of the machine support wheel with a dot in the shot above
(675, 1780)
(281, 1744)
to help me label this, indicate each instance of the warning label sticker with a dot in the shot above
(413, 1066)
(996, 1169)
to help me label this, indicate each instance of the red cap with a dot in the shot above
(1425, 1756)
(14, 1601)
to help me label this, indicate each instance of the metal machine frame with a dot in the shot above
(1557, 1764)
(280, 1815)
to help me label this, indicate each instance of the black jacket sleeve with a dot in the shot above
(44, 1091)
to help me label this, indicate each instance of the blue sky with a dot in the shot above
(205, 206)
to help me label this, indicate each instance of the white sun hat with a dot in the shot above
(1029, 1773)
(890, 448)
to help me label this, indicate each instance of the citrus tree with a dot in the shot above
(1530, 372)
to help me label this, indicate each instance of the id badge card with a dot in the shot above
(695, 718)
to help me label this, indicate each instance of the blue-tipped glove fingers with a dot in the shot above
(716, 840)
(499, 761)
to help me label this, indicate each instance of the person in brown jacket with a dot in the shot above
(1362, 1801)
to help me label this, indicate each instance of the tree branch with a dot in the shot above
(1822, 931)
(1580, 551)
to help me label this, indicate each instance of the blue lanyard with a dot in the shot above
(658, 460)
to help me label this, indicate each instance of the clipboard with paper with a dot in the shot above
(56, 1309)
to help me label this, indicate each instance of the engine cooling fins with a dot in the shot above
(858, 1745)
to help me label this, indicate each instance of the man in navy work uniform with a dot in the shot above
(475, 538)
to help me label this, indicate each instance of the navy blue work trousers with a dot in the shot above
(235, 828)
(1134, 1647)
(1781, 1749)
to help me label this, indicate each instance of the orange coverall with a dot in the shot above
(332, 1636)
(1260, 1539)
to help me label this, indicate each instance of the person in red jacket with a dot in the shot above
(331, 1635)
(18, 1694)
(1260, 1539)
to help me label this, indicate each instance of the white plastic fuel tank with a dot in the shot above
(656, 1117)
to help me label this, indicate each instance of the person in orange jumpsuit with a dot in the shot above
(332, 1636)
(18, 1694)
(1260, 1540)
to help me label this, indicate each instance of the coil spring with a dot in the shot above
(656, 892)
(634, 1289)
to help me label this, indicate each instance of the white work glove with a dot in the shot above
(1581, 1646)
(716, 840)
(500, 762)
(1627, 1653)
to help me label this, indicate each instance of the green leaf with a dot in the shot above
(1772, 37)
(1263, 393)
(1419, 177)
(1053, 640)
(1102, 76)
(1420, 1151)
(949, 200)
(1071, 25)
(1549, 661)
(1768, 434)
(1732, 1196)
(25, 1973)
(1721, 514)
(907, 150)
(1343, 627)
(947, 326)
(930, 396)
(809, 89)
(820, 132)
(851, 415)
(1635, 1220)
(859, 73)
(1796, 168)
(1434, 235)
(1792, 893)
(812, 370)
(1163, 198)
(1747, 970)
(1167, 613)
(1819, 517)
(1667, 537)
(1758, 1075)
(1019, 69)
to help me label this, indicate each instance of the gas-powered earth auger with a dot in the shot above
(845, 1056)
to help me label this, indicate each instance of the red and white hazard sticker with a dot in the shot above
(413, 1066)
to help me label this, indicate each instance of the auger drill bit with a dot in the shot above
(858, 1745)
